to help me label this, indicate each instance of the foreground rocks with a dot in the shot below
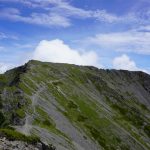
(6, 144)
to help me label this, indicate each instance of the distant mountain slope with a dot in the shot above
(77, 107)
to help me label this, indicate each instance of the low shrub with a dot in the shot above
(2, 118)
(47, 122)
(81, 118)
(72, 105)
(147, 130)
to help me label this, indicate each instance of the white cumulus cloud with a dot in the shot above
(57, 51)
(126, 63)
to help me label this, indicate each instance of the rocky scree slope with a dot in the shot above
(77, 107)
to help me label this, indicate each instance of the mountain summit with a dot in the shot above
(77, 107)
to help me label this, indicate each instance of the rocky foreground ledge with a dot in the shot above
(6, 144)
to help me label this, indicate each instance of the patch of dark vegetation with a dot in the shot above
(2, 119)
(72, 105)
(47, 122)
(81, 118)
(144, 107)
(56, 83)
(1, 104)
(147, 130)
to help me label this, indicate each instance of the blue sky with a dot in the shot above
(103, 33)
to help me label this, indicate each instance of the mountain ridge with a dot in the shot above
(78, 106)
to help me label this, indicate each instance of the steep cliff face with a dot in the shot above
(76, 107)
